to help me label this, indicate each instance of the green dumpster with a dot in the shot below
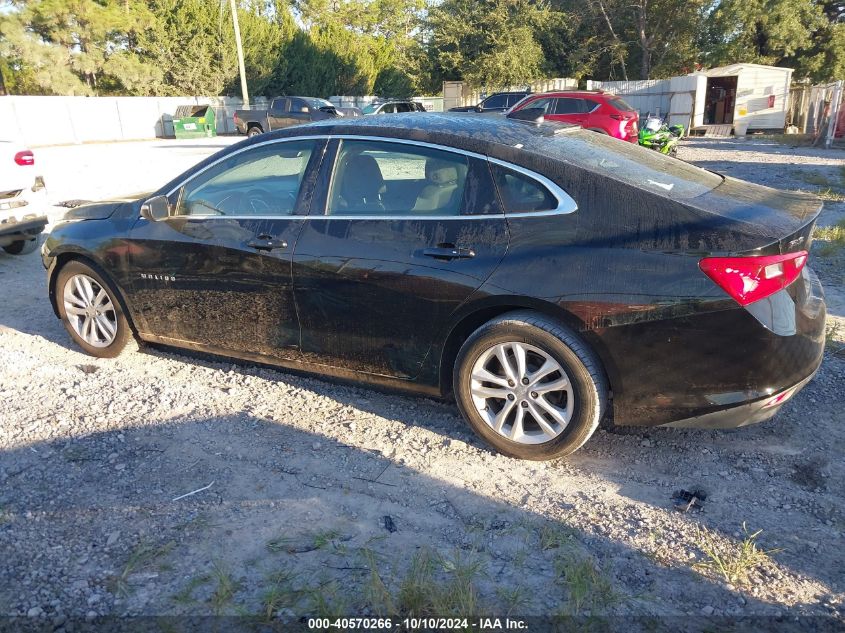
(194, 122)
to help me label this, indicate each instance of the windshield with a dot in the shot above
(632, 164)
(370, 109)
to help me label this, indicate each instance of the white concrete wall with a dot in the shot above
(64, 120)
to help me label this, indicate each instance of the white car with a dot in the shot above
(23, 199)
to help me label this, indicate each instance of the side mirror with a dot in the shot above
(479, 108)
(155, 209)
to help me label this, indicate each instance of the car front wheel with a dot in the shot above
(90, 310)
(529, 386)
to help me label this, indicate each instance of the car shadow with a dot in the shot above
(217, 515)
(655, 460)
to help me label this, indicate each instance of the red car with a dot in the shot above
(591, 109)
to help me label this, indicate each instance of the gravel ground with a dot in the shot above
(320, 498)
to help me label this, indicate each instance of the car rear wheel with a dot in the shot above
(21, 247)
(253, 131)
(91, 311)
(529, 386)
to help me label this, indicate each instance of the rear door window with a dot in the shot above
(570, 105)
(383, 178)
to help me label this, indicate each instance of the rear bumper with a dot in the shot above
(716, 369)
(745, 414)
(25, 229)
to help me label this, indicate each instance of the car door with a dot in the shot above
(216, 273)
(277, 115)
(300, 111)
(494, 102)
(569, 110)
(401, 236)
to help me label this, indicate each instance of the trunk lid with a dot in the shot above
(777, 222)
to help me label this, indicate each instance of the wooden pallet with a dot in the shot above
(718, 131)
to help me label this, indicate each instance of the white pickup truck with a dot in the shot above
(23, 199)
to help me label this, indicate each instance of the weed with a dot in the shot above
(587, 586)
(434, 585)
(555, 536)
(186, 595)
(280, 544)
(142, 557)
(325, 538)
(225, 589)
(376, 593)
(328, 601)
(516, 599)
(834, 340)
(728, 560)
(280, 593)
(832, 236)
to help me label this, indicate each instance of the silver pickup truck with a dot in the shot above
(284, 112)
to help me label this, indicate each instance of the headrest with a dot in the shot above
(362, 176)
(440, 172)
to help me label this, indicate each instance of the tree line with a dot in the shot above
(399, 47)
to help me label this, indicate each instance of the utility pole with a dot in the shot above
(240, 48)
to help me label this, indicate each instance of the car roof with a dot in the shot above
(575, 93)
(493, 135)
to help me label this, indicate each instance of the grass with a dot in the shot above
(280, 593)
(142, 557)
(516, 599)
(225, 589)
(314, 540)
(834, 340)
(587, 587)
(186, 594)
(728, 560)
(833, 236)
(554, 536)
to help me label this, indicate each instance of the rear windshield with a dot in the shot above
(620, 104)
(632, 164)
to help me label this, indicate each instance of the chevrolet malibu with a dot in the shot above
(543, 276)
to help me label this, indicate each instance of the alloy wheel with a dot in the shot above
(90, 311)
(522, 393)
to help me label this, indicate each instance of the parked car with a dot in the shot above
(496, 102)
(283, 112)
(392, 107)
(349, 112)
(591, 109)
(23, 199)
(527, 270)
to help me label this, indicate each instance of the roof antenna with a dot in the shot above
(532, 115)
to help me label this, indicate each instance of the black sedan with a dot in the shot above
(544, 276)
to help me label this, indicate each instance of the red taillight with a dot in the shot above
(25, 158)
(749, 279)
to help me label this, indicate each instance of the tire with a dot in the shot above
(21, 247)
(254, 130)
(582, 400)
(68, 295)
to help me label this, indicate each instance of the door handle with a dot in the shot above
(266, 243)
(449, 251)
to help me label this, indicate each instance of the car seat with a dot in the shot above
(440, 194)
(361, 186)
